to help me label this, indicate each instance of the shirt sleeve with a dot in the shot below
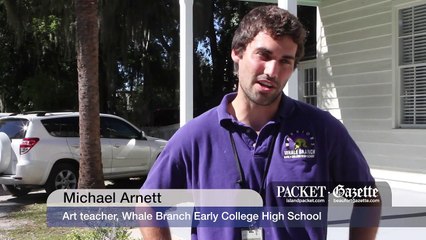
(169, 170)
(348, 164)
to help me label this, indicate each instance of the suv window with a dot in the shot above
(115, 128)
(14, 128)
(110, 127)
(62, 127)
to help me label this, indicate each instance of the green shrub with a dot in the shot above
(101, 234)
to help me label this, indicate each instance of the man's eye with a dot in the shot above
(286, 61)
(263, 56)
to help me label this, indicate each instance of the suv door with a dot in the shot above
(68, 127)
(131, 152)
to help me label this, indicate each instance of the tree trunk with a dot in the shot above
(91, 175)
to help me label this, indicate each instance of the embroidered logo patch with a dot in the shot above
(299, 144)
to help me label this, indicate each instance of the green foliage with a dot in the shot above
(213, 31)
(45, 30)
(56, 95)
(100, 234)
(37, 72)
(139, 55)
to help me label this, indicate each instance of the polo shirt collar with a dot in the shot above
(285, 110)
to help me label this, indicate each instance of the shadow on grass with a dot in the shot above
(134, 183)
(10, 204)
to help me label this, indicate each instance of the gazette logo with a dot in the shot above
(342, 193)
(299, 144)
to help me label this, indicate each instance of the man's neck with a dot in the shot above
(251, 114)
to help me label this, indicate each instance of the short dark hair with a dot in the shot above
(273, 20)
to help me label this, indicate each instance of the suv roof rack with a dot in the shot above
(38, 113)
(42, 113)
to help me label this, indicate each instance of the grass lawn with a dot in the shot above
(30, 223)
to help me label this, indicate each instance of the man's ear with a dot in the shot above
(235, 56)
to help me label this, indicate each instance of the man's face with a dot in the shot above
(265, 67)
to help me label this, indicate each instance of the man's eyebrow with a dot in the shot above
(264, 50)
(269, 52)
(291, 57)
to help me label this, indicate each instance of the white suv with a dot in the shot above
(42, 150)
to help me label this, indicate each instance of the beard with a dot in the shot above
(259, 98)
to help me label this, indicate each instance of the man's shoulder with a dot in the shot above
(314, 116)
(199, 126)
(310, 110)
(206, 120)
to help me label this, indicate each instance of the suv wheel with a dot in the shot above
(63, 176)
(17, 190)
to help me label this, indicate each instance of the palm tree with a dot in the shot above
(87, 46)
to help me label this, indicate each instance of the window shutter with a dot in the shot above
(413, 95)
(412, 47)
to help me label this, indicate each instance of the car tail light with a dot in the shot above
(27, 144)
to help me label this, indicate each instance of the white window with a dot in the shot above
(412, 65)
(308, 76)
(310, 88)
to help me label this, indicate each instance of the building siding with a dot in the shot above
(356, 81)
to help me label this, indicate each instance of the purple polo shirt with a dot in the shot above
(200, 156)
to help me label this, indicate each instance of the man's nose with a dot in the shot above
(272, 68)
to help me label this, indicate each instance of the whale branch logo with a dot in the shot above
(299, 144)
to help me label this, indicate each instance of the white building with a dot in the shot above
(369, 72)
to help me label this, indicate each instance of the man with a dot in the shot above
(253, 138)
